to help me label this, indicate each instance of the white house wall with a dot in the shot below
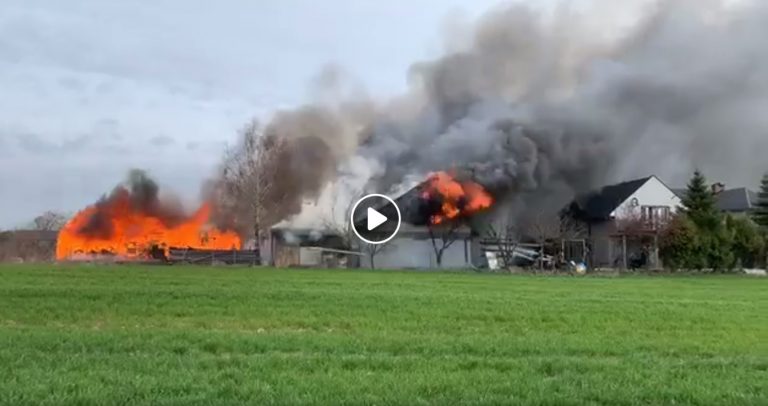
(409, 252)
(607, 252)
(652, 193)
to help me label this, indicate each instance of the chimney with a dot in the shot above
(718, 188)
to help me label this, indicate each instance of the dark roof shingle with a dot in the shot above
(600, 204)
(736, 200)
(732, 200)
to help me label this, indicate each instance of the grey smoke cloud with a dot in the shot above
(537, 109)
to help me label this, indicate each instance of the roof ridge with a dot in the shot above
(647, 178)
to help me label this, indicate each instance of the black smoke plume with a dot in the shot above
(538, 108)
(139, 194)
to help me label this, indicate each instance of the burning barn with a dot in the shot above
(435, 230)
(134, 223)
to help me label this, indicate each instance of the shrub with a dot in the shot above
(680, 246)
(747, 243)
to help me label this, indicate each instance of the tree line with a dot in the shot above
(701, 237)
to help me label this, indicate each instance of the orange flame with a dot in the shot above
(459, 198)
(133, 233)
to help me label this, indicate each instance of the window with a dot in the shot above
(655, 216)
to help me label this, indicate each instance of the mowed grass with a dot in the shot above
(93, 335)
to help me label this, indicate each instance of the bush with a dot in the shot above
(700, 237)
(747, 243)
(718, 247)
(735, 244)
(679, 245)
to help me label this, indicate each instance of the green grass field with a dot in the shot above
(93, 335)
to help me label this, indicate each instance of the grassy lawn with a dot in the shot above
(216, 336)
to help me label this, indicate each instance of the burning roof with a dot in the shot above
(441, 198)
(133, 221)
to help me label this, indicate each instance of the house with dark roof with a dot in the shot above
(623, 222)
(738, 201)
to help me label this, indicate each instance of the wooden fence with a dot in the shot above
(203, 257)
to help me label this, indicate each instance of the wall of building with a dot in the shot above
(602, 250)
(652, 193)
(606, 247)
(407, 252)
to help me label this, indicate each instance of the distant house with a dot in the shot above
(738, 201)
(623, 222)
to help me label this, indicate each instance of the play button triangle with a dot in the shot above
(375, 219)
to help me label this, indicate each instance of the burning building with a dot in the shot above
(541, 110)
(436, 229)
(134, 223)
(537, 111)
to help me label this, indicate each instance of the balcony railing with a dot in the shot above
(642, 225)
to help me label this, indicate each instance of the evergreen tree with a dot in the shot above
(699, 204)
(760, 214)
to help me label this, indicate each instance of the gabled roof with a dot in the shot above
(736, 200)
(598, 205)
(409, 203)
(731, 200)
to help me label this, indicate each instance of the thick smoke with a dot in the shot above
(139, 194)
(538, 109)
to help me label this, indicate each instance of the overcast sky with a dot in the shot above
(92, 88)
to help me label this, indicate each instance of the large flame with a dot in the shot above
(456, 198)
(127, 232)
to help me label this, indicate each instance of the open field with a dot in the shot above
(190, 336)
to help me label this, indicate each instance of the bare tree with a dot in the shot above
(552, 231)
(248, 185)
(340, 221)
(371, 250)
(443, 236)
(50, 221)
(505, 238)
(630, 222)
(543, 226)
(571, 228)
(633, 226)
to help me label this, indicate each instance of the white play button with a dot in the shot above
(375, 219)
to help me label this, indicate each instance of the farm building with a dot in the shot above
(415, 248)
(297, 247)
(418, 244)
